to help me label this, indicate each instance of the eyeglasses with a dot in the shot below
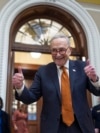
(61, 51)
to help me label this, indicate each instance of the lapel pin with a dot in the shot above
(74, 70)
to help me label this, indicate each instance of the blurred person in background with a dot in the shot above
(20, 119)
(4, 119)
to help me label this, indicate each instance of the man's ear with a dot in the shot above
(69, 51)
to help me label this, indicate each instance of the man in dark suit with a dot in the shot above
(4, 120)
(47, 84)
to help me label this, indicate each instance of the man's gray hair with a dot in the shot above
(61, 36)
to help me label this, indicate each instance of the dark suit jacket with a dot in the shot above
(5, 122)
(46, 84)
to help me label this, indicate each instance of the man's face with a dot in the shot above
(60, 51)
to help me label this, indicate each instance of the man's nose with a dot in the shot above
(58, 54)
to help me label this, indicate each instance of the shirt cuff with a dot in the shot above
(96, 84)
(19, 91)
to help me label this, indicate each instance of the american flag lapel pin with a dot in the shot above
(74, 70)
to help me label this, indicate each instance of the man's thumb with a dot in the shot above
(88, 62)
(20, 70)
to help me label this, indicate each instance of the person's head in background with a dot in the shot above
(60, 49)
(1, 103)
(23, 108)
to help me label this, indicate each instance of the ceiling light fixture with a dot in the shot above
(35, 55)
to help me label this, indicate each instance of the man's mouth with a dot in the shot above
(59, 58)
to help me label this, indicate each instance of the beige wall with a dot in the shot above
(94, 11)
(90, 1)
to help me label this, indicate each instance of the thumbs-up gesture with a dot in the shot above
(17, 79)
(90, 71)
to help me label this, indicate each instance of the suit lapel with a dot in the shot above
(72, 73)
(54, 77)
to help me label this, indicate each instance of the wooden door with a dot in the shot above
(34, 109)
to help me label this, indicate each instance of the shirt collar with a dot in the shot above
(66, 65)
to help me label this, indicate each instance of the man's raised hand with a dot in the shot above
(17, 79)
